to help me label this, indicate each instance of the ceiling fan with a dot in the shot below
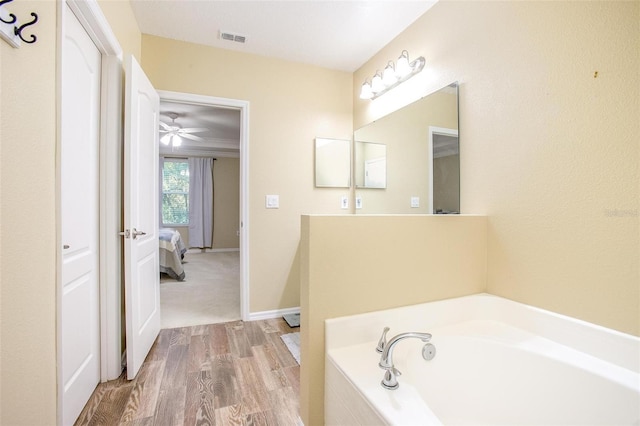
(173, 133)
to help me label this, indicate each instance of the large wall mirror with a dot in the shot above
(421, 158)
(333, 163)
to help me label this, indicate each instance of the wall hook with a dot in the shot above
(18, 30)
(12, 18)
(13, 36)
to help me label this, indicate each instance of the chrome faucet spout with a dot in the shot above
(386, 360)
(390, 380)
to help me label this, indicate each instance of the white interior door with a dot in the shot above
(79, 184)
(142, 269)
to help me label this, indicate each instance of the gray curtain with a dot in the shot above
(201, 202)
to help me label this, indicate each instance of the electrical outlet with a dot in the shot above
(358, 202)
(344, 202)
(415, 202)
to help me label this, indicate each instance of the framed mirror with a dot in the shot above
(332, 163)
(421, 150)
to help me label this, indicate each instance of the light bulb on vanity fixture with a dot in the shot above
(389, 76)
(403, 69)
(365, 91)
(392, 76)
(376, 84)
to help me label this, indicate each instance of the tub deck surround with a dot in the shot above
(497, 362)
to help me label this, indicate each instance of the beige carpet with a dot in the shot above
(209, 294)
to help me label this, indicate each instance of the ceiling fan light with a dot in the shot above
(166, 139)
(176, 141)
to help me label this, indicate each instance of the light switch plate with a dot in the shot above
(415, 202)
(358, 202)
(344, 202)
(272, 201)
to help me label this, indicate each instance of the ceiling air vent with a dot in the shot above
(232, 37)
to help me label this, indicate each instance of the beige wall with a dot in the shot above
(28, 222)
(124, 26)
(290, 104)
(28, 215)
(549, 151)
(226, 214)
(360, 263)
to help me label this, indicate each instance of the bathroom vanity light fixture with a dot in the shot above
(392, 76)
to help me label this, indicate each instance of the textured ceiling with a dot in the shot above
(337, 34)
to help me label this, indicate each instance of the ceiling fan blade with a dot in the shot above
(165, 126)
(193, 130)
(192, 137)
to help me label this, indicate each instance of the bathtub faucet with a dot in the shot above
(390, 380)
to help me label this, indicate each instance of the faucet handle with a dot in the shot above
(383, 340)
(390, 381)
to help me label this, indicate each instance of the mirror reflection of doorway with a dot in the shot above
(375, 173)
(445, 171)
(200, 163)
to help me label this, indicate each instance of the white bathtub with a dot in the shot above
(498, 362)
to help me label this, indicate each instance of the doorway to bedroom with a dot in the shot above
(201, 210)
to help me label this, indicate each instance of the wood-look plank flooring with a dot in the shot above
(234, 373)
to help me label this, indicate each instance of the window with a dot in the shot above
(175, 191)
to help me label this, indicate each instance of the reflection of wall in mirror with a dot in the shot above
(374, 173)
(406, 134)
(371, 165)
(333, 163)
(446, 184)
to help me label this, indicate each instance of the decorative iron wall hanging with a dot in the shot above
(11, 30)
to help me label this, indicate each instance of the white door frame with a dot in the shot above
(433, 130)
(243, 106)
(92, 19)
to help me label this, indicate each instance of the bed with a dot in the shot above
(172, 252)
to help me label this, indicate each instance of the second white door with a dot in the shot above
(141, 221)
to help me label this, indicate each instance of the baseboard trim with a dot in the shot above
(211, 250)
(276, 313)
